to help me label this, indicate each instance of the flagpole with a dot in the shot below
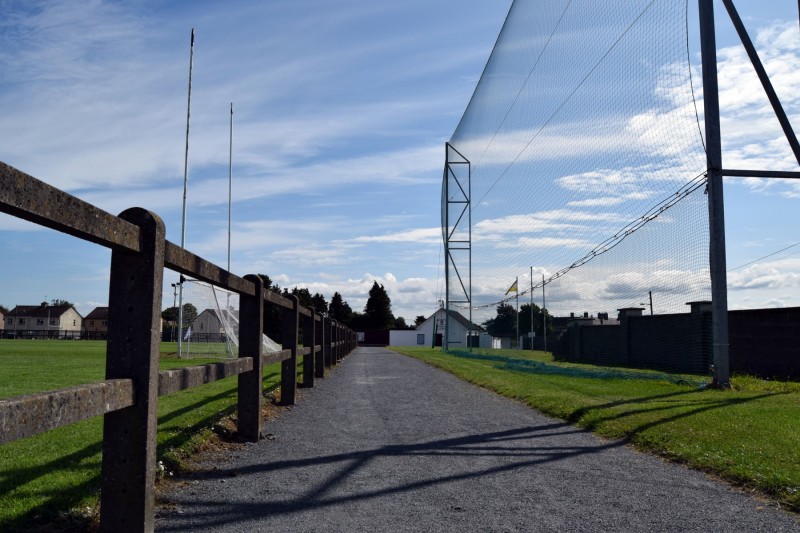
(516, 293)
(544, 316)
(185, 187)
(230, 196)
(531, 308)
(230, 181)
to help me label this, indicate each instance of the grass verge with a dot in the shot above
(748, 435)
(52, 481)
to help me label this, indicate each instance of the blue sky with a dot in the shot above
(342, 109)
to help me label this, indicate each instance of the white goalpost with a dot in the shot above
(211, 322)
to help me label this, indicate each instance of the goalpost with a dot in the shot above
(211, 322)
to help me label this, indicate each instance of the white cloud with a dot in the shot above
(410, 296)
(546, 242)
(556, 219)
(420, 235)
(771, 275)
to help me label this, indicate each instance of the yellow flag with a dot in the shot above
(512, 287)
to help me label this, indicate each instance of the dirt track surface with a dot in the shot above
(387, 443)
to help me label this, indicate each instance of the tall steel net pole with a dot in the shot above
(716, 208)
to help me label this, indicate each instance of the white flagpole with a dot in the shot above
(185, 187)
(230, 188)
(230, 181)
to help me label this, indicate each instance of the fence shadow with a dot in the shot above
(522, 444)
(698, 406)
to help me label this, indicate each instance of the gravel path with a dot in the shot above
(387, 443)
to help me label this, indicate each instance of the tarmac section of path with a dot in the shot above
(388, 443)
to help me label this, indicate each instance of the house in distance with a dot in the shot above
(43, 321)
(430, 333)
(95, 324)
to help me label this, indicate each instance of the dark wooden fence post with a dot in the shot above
(334, 342)
(308, 342)
(339, 342)
(338, 337)
(319, 336)
(129, 435)
(327, 328)
(251, 327)
(290, 326)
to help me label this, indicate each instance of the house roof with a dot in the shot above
(213, 312)
(458, 317)
(41, 311)
(98, 313)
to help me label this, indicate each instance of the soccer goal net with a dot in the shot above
(211, 322)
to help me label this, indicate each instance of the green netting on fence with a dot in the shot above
(529, 366)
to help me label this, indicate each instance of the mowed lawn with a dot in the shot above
(57, 473)
(749, 435)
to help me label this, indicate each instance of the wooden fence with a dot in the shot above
(128, 396)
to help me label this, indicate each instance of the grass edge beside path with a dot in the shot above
(51, 481)
(748, 436)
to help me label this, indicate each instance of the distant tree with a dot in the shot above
(378, 310)
(4, 309)
(358, 321)
(189, 313)
(340, 310)
(170, 314)
(303, 296)
(55, 302)
(400, 323)
(525, 320)
(504, 323)
(273, 316)
(268, 284)
(419, 320)
(318, 303)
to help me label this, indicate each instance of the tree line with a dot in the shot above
(504, 324)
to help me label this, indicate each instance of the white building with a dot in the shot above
(431, 332)
(208, 326)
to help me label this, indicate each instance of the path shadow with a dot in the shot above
(519, 444)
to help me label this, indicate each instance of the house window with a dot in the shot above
(21, 322)
(74, 322)
(420, 338)
(40, 322)
(104, 323)
(91, 322)
(53, 321)
(10, 321)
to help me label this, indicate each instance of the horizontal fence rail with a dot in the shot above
(128, 396)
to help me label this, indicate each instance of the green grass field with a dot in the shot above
(749, 435)
(46, 477)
